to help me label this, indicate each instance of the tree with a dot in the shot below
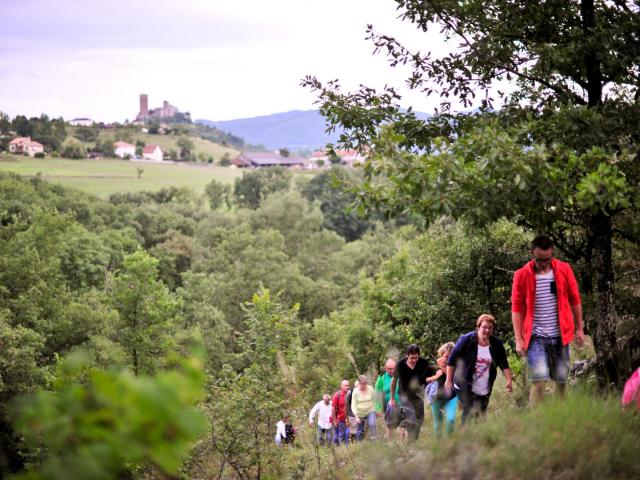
(5, 124)
(139, 148)
(22, 126)
(147, 311)
(242, 430)
(331, 189)
(254, 187)
(154, 128)
(72, 148)
(559, 155)
(225, 161)
(187, 148)
(218, 194)
(86, 134)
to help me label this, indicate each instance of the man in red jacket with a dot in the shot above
(546, 311)
(339, 414)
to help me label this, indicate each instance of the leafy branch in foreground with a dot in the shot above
(113, 422)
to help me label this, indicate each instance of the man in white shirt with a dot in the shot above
(281, 431)
(323, 409)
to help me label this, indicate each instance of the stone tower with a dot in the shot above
(144, 105)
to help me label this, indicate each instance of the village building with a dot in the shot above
(81, 122)
(266, 159)
(124, 150)
(25, 146)
(152, 152)
(348, 158)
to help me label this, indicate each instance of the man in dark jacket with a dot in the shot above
(473, 365)
(410, 376)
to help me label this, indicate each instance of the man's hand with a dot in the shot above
(579, 338)
(392, 402)
(509, 386)
(311, 422)
(520, 346)
(448, 386)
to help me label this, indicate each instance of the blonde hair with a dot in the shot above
(445, 348)
(485, 317)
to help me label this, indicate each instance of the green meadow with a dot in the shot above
(106, 176)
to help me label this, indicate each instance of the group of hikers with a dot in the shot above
(414, 380)
(546, 313)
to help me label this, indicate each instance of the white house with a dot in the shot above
(124, 150)
(81, 122)
(152, 152)
(24, 145)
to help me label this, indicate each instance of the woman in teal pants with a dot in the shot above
(442, 405)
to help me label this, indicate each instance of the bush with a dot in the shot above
(73, 148)
(39, 155)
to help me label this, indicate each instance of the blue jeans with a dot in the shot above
(370, 420)
(449, 408)
(341, 433)
(324, 435)
(548, 359)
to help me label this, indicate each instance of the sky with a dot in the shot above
(217, 59)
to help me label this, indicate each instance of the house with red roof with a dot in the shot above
(25, 146)
(124, 150)
(152, 152)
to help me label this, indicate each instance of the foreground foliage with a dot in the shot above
(99, 424)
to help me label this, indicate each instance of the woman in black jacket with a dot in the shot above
(473, 365)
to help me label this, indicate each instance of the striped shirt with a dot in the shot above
(545, 313)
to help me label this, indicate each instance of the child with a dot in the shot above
(441, 402)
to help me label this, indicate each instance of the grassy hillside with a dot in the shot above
(104, 177)
(584, 436)
(166, 142)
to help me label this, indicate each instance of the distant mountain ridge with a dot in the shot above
(294, 130)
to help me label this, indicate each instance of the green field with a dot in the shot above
(104, 177)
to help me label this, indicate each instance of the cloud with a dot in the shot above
(57, 24)
(218, 59)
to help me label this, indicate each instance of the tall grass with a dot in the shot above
(583, 436)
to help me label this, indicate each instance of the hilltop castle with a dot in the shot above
(167, 111)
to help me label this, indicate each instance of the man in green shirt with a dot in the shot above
(383, 391)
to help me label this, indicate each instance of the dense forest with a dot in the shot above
(132, 327)
(276, 290)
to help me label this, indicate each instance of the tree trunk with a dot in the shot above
(605, 326)
(592, 62)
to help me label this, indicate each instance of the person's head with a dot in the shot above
(413, 353)
(485, 326)
(326, 398)
(362, 382)
(344, 385)
(445, 349)
(390, 366)
(542, 253)
(285, 418)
